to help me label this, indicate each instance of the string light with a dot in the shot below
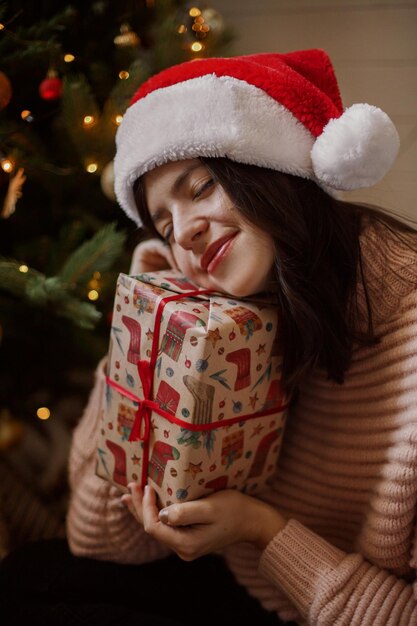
(2, 26)
(123, 75)
(23, 268)
(91, 167)
(93, 294)
(43, 413)
(26, 115)
(182, 29)
(69, 58)
(94, 285)
(89, 120)
(6, 165)
(196, 46)
(194, 12)
(118, 119)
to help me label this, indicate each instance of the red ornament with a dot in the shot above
(51, 87)
(5, 91)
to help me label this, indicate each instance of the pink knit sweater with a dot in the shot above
(346, 480)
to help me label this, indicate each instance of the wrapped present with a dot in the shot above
(193, 400)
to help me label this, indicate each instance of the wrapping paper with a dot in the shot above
(193, 401)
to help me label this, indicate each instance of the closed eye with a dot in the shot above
(203, 188)
(167, 233)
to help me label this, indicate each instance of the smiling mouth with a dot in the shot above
(215, 253)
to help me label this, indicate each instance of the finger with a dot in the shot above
(174, 538)
(126, 499)
(187, 513)
(149, 506)
(170, 257)
(137, 495)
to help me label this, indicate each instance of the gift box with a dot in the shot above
(193, 399)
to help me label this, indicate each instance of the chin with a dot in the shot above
(241, 291)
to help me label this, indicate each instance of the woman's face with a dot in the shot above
(211, 243)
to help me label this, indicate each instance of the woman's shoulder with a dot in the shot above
(391, 241)
(389, 263)
(388, 249)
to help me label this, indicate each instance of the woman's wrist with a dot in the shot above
(264, 524)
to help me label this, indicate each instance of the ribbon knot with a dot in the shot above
(146, 405)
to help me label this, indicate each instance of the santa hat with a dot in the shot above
(280, 111)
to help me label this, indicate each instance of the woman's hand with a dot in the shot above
(192, 529)
(150, 256)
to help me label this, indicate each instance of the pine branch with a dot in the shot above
(78, 101)
(12, 279)
(39, 39)
(95, 255)
(46, 292)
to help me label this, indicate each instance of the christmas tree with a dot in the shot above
(66, 77)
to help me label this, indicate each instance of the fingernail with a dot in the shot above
(163, 516)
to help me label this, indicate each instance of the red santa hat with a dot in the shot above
(281, 111)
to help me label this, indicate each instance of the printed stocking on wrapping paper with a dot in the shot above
(119, 471)
(241, 358)
(161, 453)
(133, 354)
(261, 454)
(167, 397)
(248, 322)
(178, 324)
(203, 395)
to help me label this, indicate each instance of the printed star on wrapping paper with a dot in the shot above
(194, 468)
(261, 349)
(257, 430)
(149, 335)
(214, 336)
(239, 473)
(253, 400)
(135, 459)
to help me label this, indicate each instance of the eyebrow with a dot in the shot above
(176, 186)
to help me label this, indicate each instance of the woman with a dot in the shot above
(228, 164)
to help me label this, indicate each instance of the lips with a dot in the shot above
(215, 252)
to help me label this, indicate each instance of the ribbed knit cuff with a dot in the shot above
(297, 560)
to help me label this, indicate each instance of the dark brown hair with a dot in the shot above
(318, 262)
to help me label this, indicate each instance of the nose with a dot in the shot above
(188, 228)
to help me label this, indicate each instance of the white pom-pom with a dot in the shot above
(355, 150)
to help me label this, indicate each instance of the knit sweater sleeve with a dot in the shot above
(331, 587)
(98, 525)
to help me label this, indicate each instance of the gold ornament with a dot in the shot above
(127, 38)
(107, 181)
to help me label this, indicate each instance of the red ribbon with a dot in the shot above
(142, 424)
